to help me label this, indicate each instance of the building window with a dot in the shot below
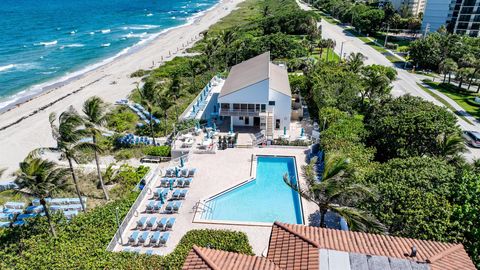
(257, 107)
(243, 107)
(271, 103)
(236, 106)
(240, 118)
(225, 106)
(251, 107)
(263, 107)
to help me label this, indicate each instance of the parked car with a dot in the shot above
(472, 138)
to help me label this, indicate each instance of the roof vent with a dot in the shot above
(413, 252)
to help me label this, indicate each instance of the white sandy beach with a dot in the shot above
(33, 132)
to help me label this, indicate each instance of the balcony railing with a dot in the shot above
(240, 112)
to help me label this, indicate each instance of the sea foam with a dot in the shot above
(47, 43)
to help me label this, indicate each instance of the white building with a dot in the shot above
(257, 94)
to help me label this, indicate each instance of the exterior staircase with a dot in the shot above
(269, 126)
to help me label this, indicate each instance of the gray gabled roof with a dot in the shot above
(253, 71)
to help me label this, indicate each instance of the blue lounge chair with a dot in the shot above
(157, 206)
(176, 194)
(173, 207)
(132, 239)
(179, 182)
(164, 182)
(164, 192)
(143, 238)
(150, 208)
(141, 223)
(18, 223)
(161, 224)
(150, 223)
(149, 252)
(163, 239)
(184, 172)
(191, 172)
(170, 223)
(187, 182)
(183, 194)
(154, 239)
(4, 224)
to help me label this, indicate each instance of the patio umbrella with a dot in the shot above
(301, 132)
(231, 124)
(214, 126)
(176, 171)
(197, 124)
(181, 162)
(161, 198)
(170, 182)
(284, 131)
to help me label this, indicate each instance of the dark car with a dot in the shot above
(472, 138)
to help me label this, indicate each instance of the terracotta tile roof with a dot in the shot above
(288, 249)
(205, 258)
(287, 239)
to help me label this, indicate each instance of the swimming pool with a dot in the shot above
(264, 199)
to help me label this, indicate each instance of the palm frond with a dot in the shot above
(359, 220)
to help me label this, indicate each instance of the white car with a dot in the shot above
(472, 138)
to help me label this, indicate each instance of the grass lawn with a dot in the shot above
(463, 99)
(332, 56)
(443, 101)
(403, 45)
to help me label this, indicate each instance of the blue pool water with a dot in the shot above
(265, 199)
(44, 41)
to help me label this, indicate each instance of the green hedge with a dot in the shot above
(158, 151)
(217, 239)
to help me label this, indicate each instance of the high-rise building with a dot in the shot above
(413, 7)
(458, 16)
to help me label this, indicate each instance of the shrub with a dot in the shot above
(392, 46)
(158, 151)
(217, 239)
(122, 119)
(139, 73)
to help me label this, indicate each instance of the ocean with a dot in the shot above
(48, 41)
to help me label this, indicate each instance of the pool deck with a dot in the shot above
(216, 173)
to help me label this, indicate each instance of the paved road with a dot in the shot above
(406, 82)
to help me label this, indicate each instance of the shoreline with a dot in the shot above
(25, 126)
(55, 83)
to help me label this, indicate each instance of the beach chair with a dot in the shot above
(157, 206)
(179, 182)
(154, 239)
(169, 207)
(143, 238)
(187, 182)
(183, 194)
(150, 208)
(161, 224)
(141, 223)
(169, 172)
(156, 193)
(18, 223)
(132, 239)
(170, 223)
(163, 239)
(191, 172)
(184, 172)
(176, 194)
(176, 206)
(164, 182)
(150, 223)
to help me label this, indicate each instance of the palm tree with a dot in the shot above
(322, 43)
(41, 178)
(447, 66)
(94, 110)
(330, 44)
(335, 193)
(450, 145)
(195, 68)
(165, 102)
(227, 38)
(68, 135)
(148, 95)
(355, 62)
(175, 92)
